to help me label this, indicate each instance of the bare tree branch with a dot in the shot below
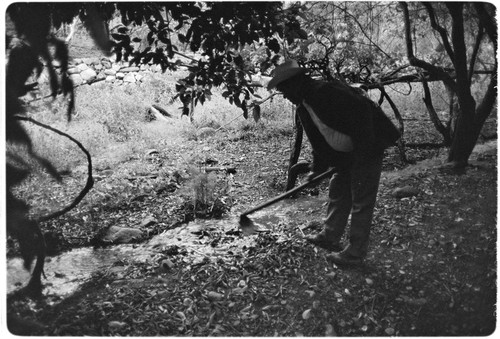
(364, 33)
(475, 51)
(90, 179)
(440, 29)
(488, 21)
(414, 61)
(397, 114)
(460, 59)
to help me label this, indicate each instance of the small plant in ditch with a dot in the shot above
(206, 196)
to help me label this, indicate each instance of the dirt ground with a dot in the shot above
(431, 270)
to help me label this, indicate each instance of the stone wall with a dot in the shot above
(89, 70)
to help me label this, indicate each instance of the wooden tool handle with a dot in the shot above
(290, 192)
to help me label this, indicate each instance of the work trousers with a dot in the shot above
(353, 191)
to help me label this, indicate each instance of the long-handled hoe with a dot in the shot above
(247, 225)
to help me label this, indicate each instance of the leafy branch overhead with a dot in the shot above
(34, 44)
(217, 34)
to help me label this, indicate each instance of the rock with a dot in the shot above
(116, 324)
(167, 265)
(109, 72)
(390, 331)
(306, 314)
(73, 70)
(107, 172)
(110, 78)
(129, 69)
(180, 315)
(129, 77)
(88, 75)
(239, 290)
(200, 261)
(148, 221)
(187, 302)
(98, 177)
(122, 235)
(106, 63)
(331, 275)
(120, 75)
(330, 331)
(77, 79)
(146, 77)
(101, 76)
(152, 151)
(82, 67)
(215, 296)
(93, 61)
(405, 192)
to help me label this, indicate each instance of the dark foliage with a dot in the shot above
(33, 43)
(216, 32)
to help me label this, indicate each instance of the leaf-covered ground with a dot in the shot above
(431, 268)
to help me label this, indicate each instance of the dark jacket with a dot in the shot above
(345, 110)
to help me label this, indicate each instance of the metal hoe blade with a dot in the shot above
(247, 225)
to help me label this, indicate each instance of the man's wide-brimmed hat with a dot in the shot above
(285, 71)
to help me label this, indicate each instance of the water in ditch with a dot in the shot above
(69, 270)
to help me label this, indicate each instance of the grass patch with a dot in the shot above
(111, 121)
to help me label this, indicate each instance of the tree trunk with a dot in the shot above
(469, 118)
(464, 139)
(467, 131)
(469, 124)
(433, 114)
